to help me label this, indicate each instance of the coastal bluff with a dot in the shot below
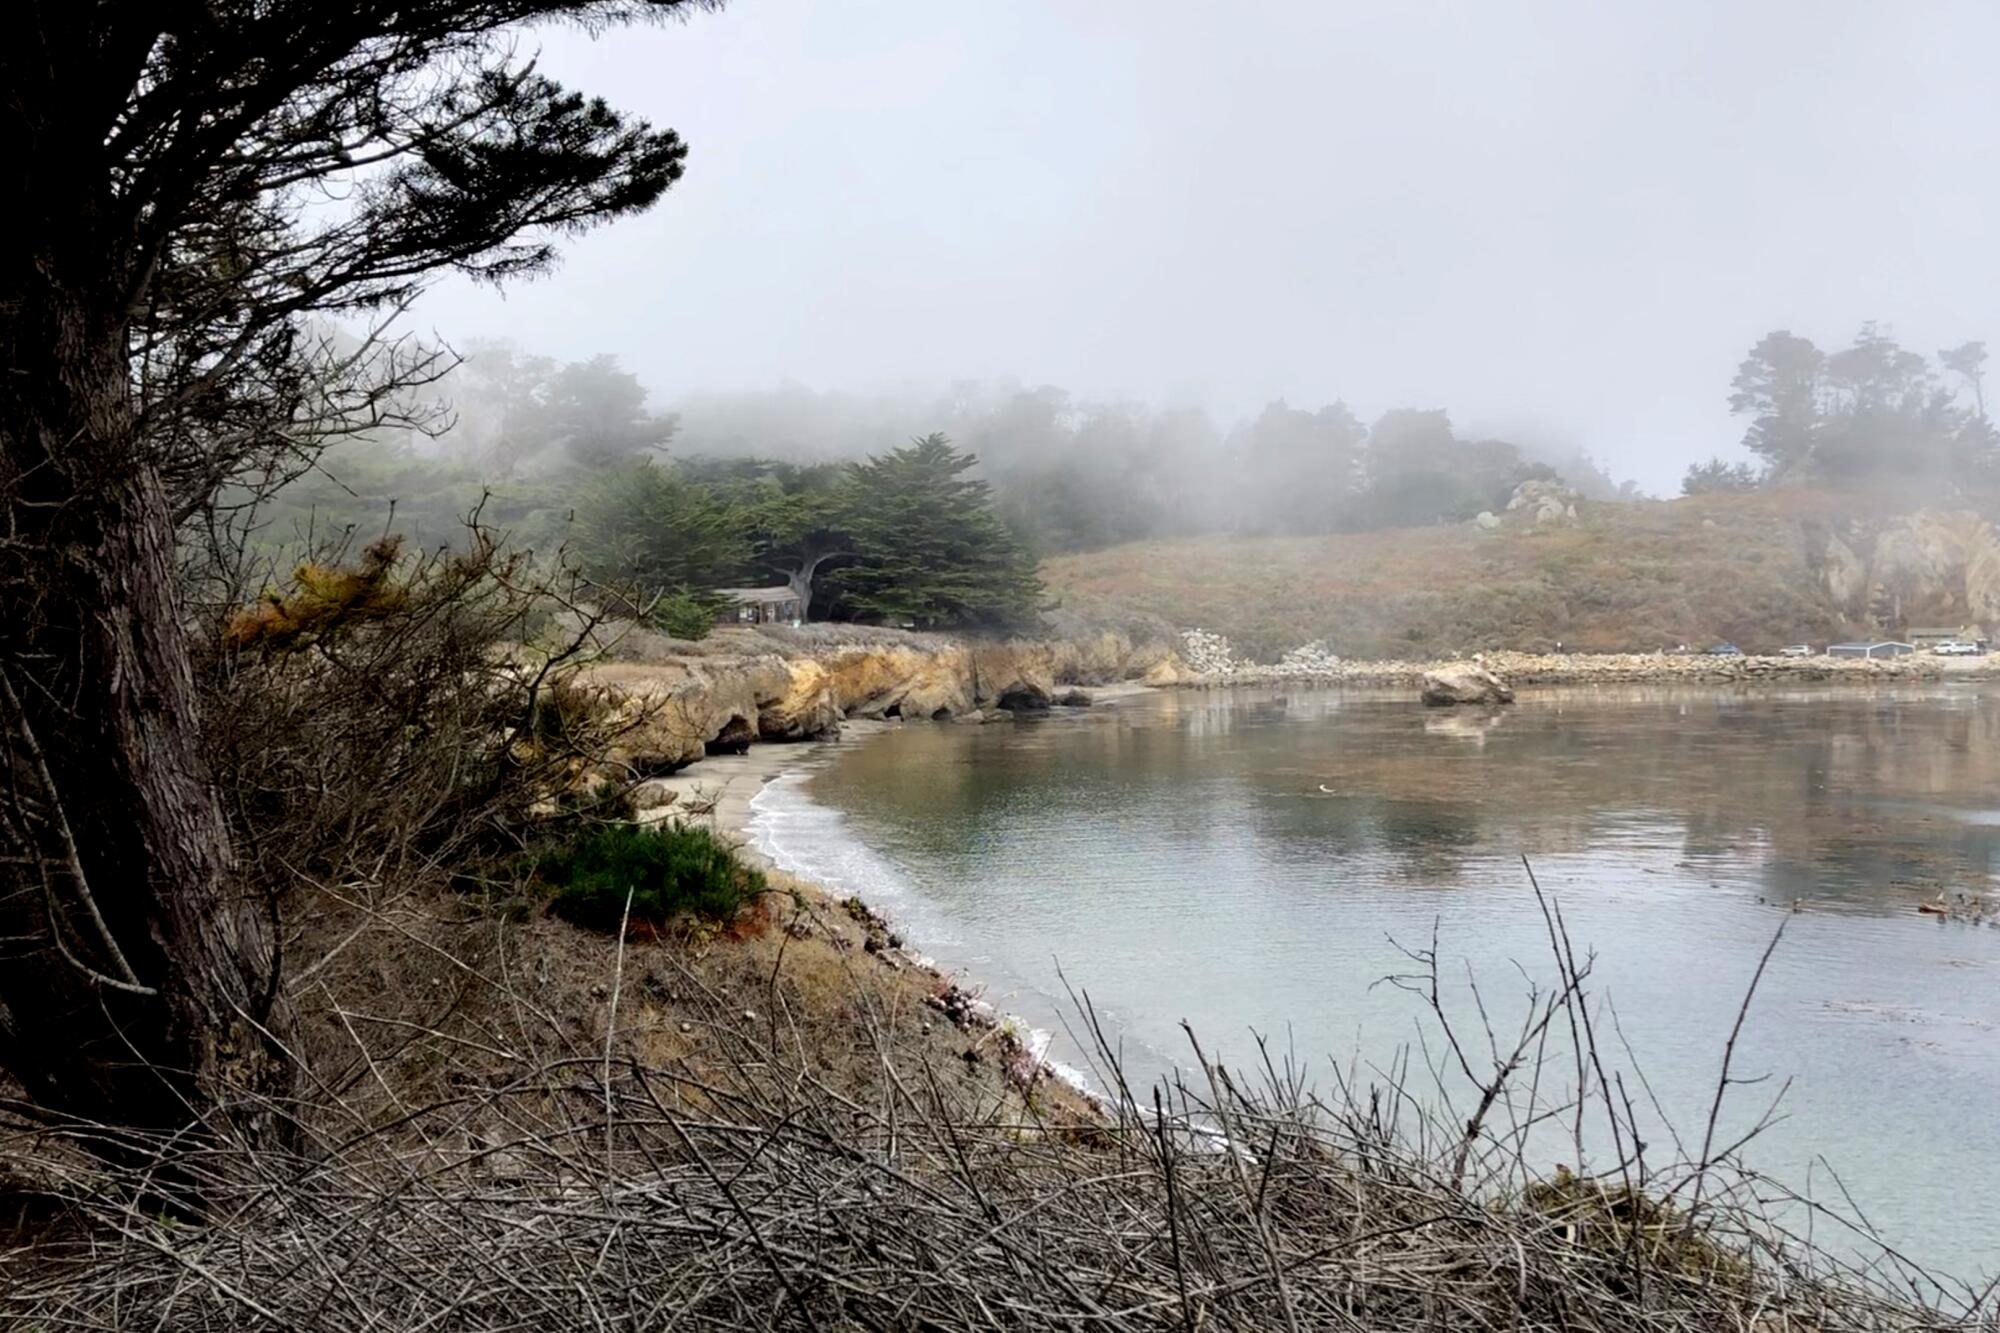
(673, 703)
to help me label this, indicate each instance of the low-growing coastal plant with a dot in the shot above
(670, 871)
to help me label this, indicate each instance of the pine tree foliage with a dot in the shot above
(933, 552)
(647, 528)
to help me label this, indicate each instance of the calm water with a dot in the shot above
(1175, 856)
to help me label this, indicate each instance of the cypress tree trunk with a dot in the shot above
(137, 985)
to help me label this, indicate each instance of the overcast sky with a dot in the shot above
(1564, 217)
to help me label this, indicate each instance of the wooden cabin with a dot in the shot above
(759, 606)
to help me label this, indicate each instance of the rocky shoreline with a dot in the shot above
(1593, 668)
(677, 706)
(673, 704)
(721, 791)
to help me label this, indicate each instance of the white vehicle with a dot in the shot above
(1956, 648)
(1796, 650)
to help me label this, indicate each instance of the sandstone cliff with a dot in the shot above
(674, 704)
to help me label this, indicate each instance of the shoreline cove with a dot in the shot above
(746, 814)
(763, 805)
(736, 793)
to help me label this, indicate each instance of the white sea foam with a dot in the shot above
(804, 838)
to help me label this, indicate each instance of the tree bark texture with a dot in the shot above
(137, 983)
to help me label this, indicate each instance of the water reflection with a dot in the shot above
(1242, 859)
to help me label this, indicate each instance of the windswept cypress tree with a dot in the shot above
(168, 169)
(930, 550)
(646, 527)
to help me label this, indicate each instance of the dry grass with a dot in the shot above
(762, 1134)
(1627, 577)
(624, 642)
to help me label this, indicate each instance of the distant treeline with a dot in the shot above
(752, 488)
(1067, 473)
(1071, 474)
(1872, 413)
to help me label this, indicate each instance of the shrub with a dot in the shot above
(670, 870)
(367, 722)
(683, 615)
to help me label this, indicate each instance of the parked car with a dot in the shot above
(1725, 650)
(1956, 648)
(1796, 650)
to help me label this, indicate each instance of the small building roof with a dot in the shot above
(780, 593)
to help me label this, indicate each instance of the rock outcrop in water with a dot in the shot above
(1467, 684)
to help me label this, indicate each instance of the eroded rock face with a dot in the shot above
(734, 737)
(916, 682)
(1845, 576)
(664, 718)
(1017, 676)
(1929, 567)
(668, 714)
(1469, 684)
(805, 710)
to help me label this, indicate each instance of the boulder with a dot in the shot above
(1544, 501)
(652, 794)
(1486, 520)
(1467, 684)
(1024, 696)
(1072, 699)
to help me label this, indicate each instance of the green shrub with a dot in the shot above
(671, 871)
(684, 615)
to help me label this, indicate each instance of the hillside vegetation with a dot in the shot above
(1753, 568)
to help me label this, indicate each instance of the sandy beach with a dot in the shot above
(721, 787)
